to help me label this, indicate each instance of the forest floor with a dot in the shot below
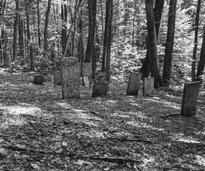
(41, 131)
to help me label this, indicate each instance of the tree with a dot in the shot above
(146, 68)
(169, 42)
(45, 45)
(30, 48)
(90, 53)
(39, 23)
(152, 43)
(107, 39)
(200, 70)
(196, 28)
(16, 22)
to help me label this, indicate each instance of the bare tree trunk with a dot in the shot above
(16, 22)
(30, 48)
(39, 23)
(146, 68)
(21, 43)
(200, 70)
(152, 43)
(90, 52)
(169, 42)
(107, 39)
(45, 45)
(193, 72)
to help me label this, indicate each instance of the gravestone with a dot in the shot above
(70, 78)
(148, 86)
(101, 85)
(134, 83)
(57, 73)
(38, 79)
(190, 96)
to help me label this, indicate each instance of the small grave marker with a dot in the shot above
(134, 83)
(148, 86)
(57, 73)
(70, 78)
(190, 96)
(101, 85)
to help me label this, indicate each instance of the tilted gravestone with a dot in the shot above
(148, 86)
(190, 96)
(70, 78)
(134, 83)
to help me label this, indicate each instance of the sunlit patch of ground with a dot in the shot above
(40, 131)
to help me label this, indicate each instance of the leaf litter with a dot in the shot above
(42, 131)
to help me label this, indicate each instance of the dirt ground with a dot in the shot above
(41, 131)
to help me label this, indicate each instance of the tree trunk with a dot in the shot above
(30, 48)
(39, 23)
(21, 43)
(107, 39)
(152, 44)
(169, 42)
(45, 45)
(200, 70)
(90, 52)
(16, 22)
(146, 68)
(193, 72)
(64, 35)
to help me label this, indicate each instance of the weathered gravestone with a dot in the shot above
(57, 73)
(134, 83)
(148, 86)
(190, 96)
(101, 85)
(38, 79)
(70, 78)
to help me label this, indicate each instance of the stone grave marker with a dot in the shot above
(57, 73)
(148, 86)
(101, 85)
(70, 78)
(190, 96)
(134, 83)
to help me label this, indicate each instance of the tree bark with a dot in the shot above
(21, 43)
(16, 22)
(152, 44)
(90, 52)
(146, 68)
(169, 42)
(107, 39)
(45, 45)
(30, 48)
(200, 69)
(193, 71)
(39, 23)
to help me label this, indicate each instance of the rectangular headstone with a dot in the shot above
(57, 78)
(70, 78)
(190, 96)
(134, 83)
(148, 86)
